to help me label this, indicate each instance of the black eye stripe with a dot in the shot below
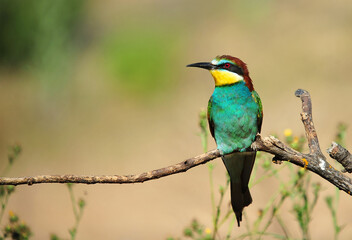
(232, 68)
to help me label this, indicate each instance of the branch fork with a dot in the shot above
(314, 161)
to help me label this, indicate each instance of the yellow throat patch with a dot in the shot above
(223, 77)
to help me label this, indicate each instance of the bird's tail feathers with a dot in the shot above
(239, 167)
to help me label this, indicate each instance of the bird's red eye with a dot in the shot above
(227, 65)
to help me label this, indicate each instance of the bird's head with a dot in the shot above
(226, 70)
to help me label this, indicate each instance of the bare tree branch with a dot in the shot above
(307, 120)
(341, 155)
(314, 161)
(93, 179)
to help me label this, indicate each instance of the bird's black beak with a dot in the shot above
(205, 65)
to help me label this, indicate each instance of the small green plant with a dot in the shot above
(332, 207)
(203, 125)
(299, 190)
(16, 229)
(332, 202)
(196, 231)
(6, 191)
(77, 207)
(340, 137)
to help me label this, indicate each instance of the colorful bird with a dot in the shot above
(235, 117)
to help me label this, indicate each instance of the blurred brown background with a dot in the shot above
(101, 87)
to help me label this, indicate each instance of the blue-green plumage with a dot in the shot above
(233, 113)
(235, 117)
(234, 122)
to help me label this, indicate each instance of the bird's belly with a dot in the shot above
(235, 127)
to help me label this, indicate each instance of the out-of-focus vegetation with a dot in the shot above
(77, 207)
(39, 35)
(35, 31)
(76, 80)
(139, 59)
(299, 190)
(17, 229)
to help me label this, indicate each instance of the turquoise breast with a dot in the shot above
(235, 116)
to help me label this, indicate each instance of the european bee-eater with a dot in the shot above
(235, 117)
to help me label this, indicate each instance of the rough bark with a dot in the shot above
(341, 155)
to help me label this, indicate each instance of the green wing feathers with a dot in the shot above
(210, 120)
(256, 98)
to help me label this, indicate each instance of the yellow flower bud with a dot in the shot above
(288, 132)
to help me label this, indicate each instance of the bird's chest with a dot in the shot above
(234, 115)
(233, 112)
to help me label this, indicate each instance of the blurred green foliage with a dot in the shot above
(340, 137)
(252, 12)
(299, 190)
(77, 207)
(16, 229)
(140, 60)
(19, 230)
(37, 32)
